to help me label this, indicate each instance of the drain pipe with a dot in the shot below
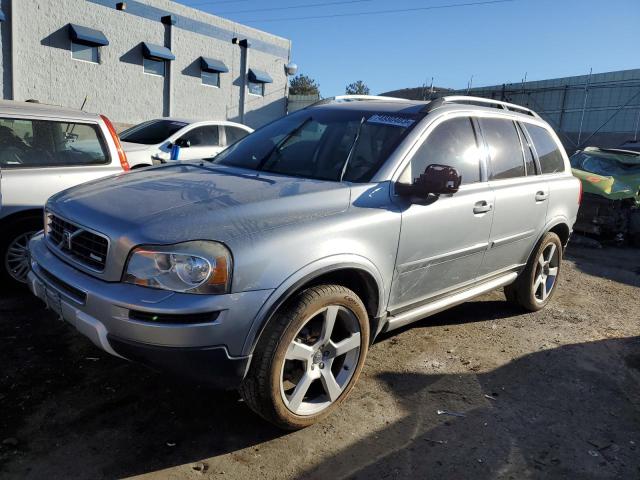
(169, 21)
(244, 72)
(14, 53)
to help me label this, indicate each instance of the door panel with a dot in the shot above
(521, 196)
(443, 239)
(205, 142)
(441, 244)
(520, 214)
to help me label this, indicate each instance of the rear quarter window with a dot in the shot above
(549, 154)
(26, 143)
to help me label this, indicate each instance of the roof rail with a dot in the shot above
(357, 98)
(487, 101)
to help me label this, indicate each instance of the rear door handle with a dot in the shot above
(541, 196)
(482, 207)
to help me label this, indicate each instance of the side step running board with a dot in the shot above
(423, 311)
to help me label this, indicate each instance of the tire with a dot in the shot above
(14, 237)
(536, 285)
(297, 357)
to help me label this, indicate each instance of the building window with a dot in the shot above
(154, 67)
(211, 79)
(86, 53)
(256, 88)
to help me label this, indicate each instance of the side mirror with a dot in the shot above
(436, 180)
(182, 143)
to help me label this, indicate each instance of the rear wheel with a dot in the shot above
(536, 285)
(14, 250)
(309, 357)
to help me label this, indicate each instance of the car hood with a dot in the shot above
(194, 200)
(614, 187)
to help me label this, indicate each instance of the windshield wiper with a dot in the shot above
(352, 149)
(281, 143)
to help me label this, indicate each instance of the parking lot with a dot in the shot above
(555, 394)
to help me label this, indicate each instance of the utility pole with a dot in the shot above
(584, 105)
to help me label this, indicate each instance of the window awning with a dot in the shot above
(212, 65)
(2, 16)
(259, 76)
(87, 36)
(157, 52)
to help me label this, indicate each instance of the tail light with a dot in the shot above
(123, 157)
(580, 193)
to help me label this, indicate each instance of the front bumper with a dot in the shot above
(208, 351)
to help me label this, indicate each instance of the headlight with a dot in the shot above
(191, 267)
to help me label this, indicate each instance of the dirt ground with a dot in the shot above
(555, 394)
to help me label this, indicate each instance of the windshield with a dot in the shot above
(322, 143)
(152, 132)
(603, 165)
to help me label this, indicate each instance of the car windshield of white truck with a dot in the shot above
(26, 143)
(323, 144)
(152, 132)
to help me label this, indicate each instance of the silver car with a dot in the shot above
(45, 149)
(274, 266)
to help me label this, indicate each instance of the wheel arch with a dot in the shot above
(20, 214)
(356, 273)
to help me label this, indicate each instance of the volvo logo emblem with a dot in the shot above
(66, 239)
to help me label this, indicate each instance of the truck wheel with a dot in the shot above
(14, 242)
(536, 285)
(308, 358)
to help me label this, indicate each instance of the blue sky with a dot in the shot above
(495, 43)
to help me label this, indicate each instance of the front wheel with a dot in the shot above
(536, 285)
(308, 358)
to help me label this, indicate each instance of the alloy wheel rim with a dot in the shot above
(321, 360)
(547, 268)
(16, 259)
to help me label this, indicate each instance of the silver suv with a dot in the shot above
(274, 266)
(45, 149)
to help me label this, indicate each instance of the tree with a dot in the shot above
(303, 85)
(357, 88)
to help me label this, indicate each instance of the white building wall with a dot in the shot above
(118, 87)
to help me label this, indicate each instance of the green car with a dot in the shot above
(611, 184)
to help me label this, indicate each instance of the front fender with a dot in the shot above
(303, 276)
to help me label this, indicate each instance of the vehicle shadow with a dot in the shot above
(64, 399)
(555, 413)
(474, 311)
(620, 264)
(550, 414)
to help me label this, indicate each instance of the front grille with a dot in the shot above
(81, 245)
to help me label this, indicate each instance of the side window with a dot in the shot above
(234, 134)
(43, 143)
(86, 53)
(451, 143)
(153, 67)
(551, 160)
(505, 150)
(203, 136)
(256, 88)
(528, 153)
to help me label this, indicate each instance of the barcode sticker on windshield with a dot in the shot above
(391, 120)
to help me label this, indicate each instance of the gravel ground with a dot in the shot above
(555, 394)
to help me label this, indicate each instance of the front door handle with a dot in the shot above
(541, 196)
(482, 207)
